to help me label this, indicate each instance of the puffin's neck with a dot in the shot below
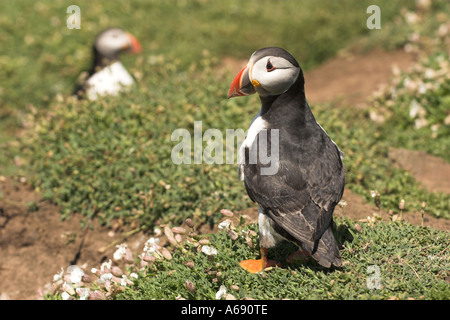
(293, 98)
(101, 61)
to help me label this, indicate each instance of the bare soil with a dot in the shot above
(34, 245)
(350, 78)
(433, 172)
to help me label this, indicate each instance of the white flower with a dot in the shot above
(435, 127)
(120, 252)
(58, 276)
(133, 275)
(123, 281)
(150, 245)
(225, 224)
(68, 288)
(157, 231)
(342, 203)
(106, 276)
(106, 265)
(410, 85)
(443, 30)
(83, 293)
(411, 17)
(222, 291)
(447, 120)
(209, 250)
(416, 110)
(376, 117)
(422, 88)
(94, 270)
(66, 296)
(76, 274)
(430, 73)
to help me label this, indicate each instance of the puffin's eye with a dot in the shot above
(269, 66)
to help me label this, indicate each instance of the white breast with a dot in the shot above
(266, 232)
(109, 81)
(257, 125)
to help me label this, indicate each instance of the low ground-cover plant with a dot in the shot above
(366, 145)
(42, 57)
(112, 158)
(381, 260)
(414, 111)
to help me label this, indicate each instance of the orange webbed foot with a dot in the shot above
(254, 266)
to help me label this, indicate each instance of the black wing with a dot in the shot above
(310, 170)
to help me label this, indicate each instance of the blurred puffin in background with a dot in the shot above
(108, 76)
(296, 201)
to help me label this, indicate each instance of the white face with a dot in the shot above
(272, 75)
(112, 41)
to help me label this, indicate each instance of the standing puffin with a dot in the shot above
(108, 76)
(296, 201)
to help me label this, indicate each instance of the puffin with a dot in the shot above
(108, 76)
(298, 189)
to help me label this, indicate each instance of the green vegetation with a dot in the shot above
(380, 261)
(104, 158)
(367, 163)
(111, 158)
(417, 106)
(43, 57)
(412, 113)
(410, 267)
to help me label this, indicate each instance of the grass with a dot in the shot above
(368, 166)
(411, 263)
(104, 158)
(388, 246)
(417, 106)
(44, 58)
(111, 158)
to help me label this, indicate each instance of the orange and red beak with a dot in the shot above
(135, 46)
(241, 85)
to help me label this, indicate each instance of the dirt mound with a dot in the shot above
(431, 171)
(35, 243)
(350, 79)
(357, 209)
